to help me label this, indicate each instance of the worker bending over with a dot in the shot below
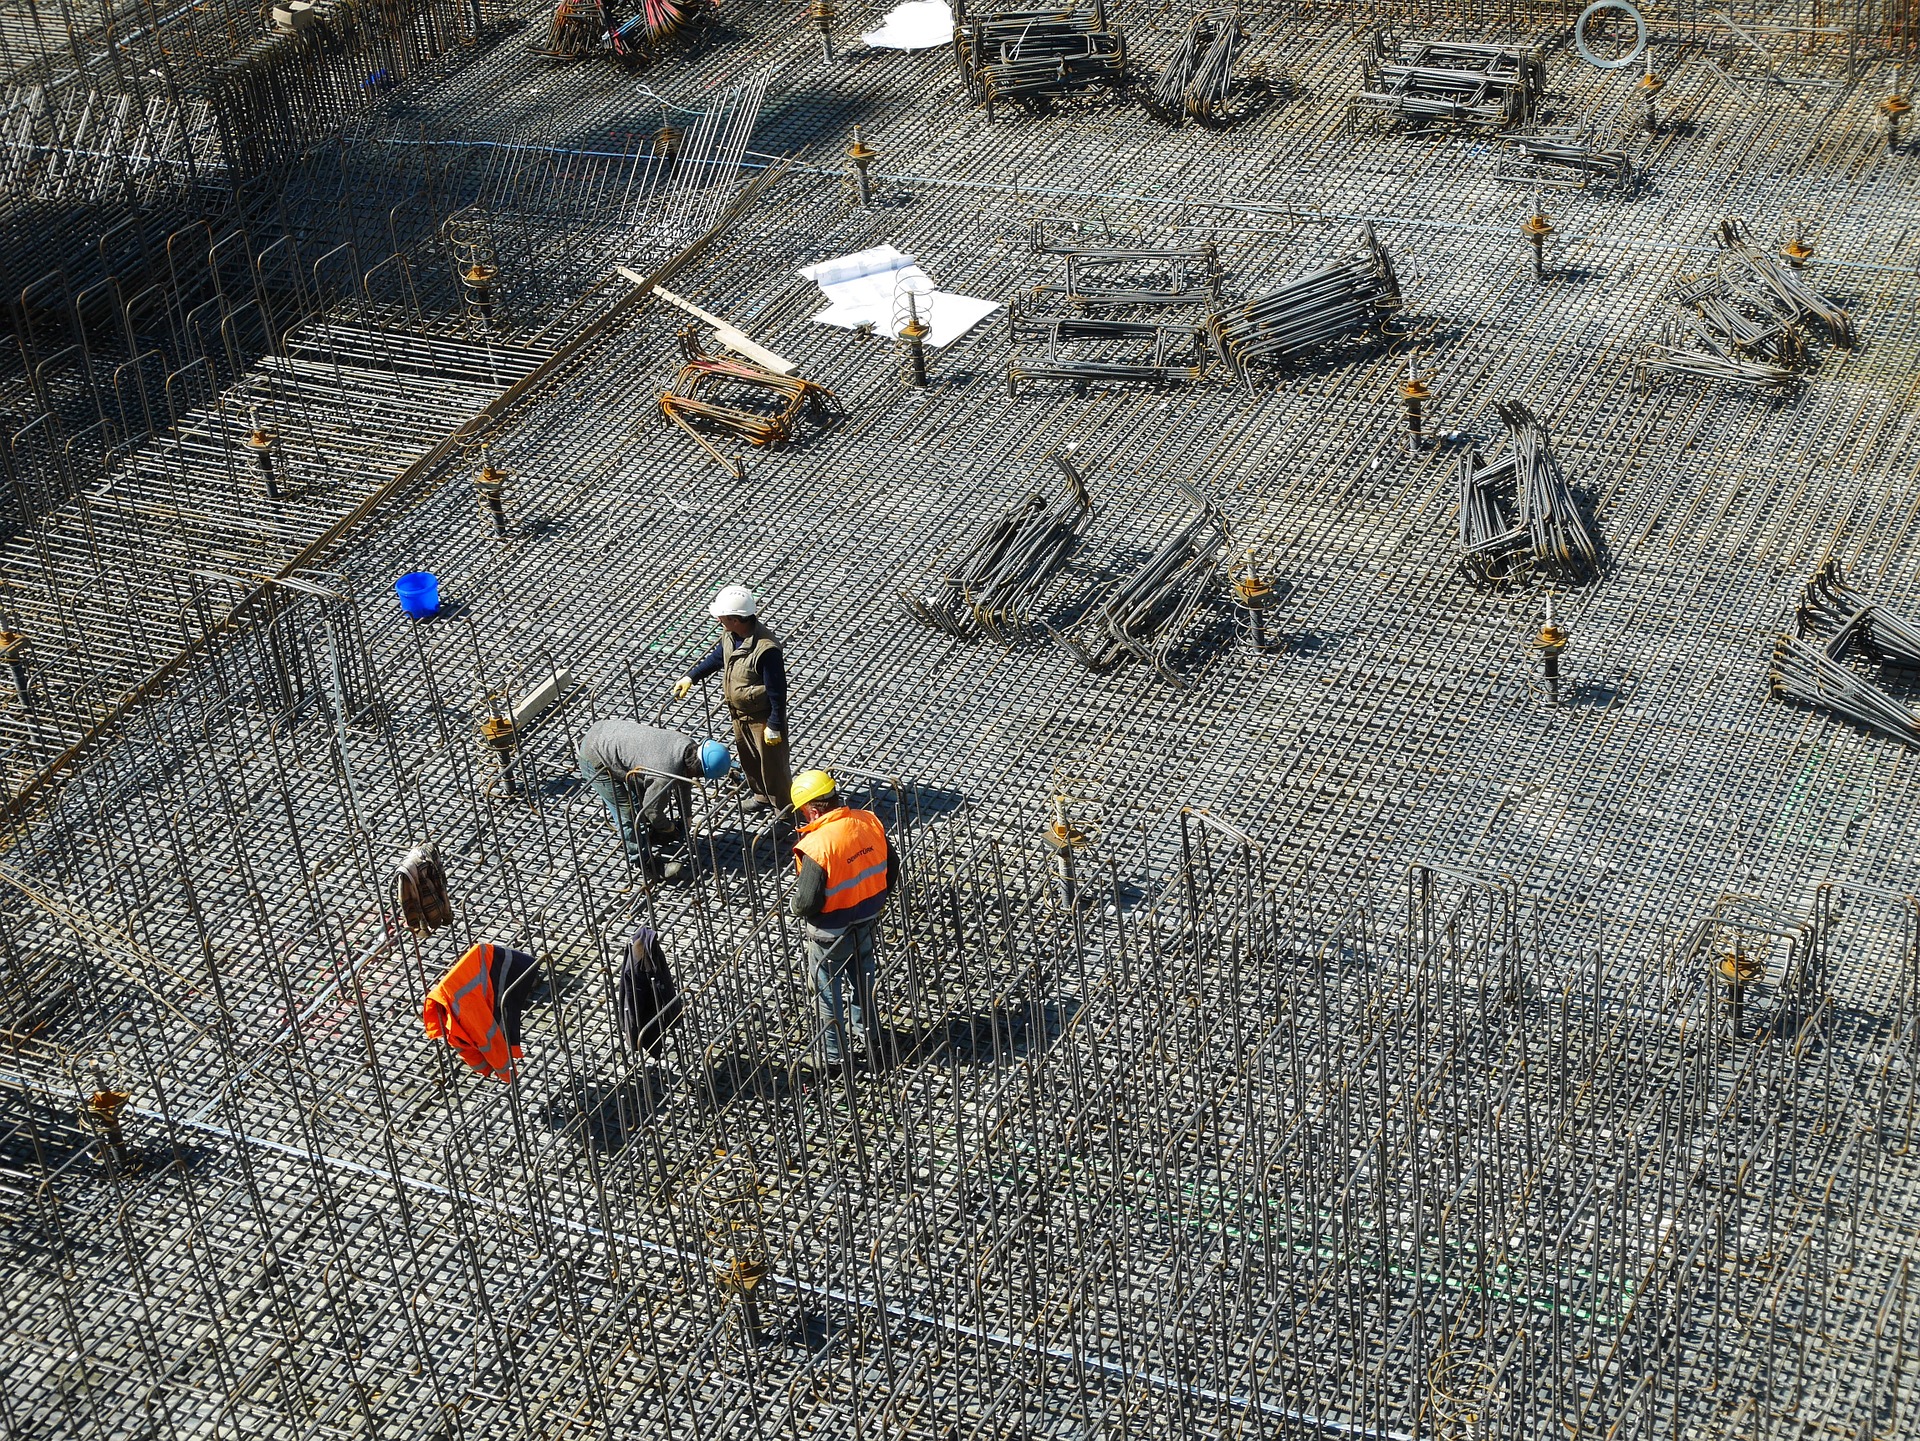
(845, 872)
(753, 678)
(618, 757)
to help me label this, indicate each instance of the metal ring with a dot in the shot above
(1639, 34)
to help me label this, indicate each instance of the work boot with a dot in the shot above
(756, 805)
(672, 871)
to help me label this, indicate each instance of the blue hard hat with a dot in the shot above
(714, 760)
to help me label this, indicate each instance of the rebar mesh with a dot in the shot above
(1354, 1039)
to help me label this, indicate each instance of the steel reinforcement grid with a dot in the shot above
(1365, 1031)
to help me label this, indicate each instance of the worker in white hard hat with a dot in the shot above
(753, 679)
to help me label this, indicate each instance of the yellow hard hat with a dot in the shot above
(809, 786)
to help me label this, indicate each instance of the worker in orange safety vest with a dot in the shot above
(844, 872)
(475, 1007)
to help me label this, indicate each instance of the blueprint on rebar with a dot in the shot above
(870, 288)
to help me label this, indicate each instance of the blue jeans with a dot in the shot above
(618, 799)
(843, 974)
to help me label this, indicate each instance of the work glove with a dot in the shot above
(773, 736)
(682, 686)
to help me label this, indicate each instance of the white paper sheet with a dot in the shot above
(917, 25)
(868, 288)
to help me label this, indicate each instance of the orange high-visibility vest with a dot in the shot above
(461, 1010)
(851, 847)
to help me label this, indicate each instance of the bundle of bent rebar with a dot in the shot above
(1353, 296)
(1836, 614)
(1743, 320)
(583, 28)
(1518, 515)
(1790, 296)
(1700, 348)
(1434, 82)
(1564, 159)
(1733, 333)
(1198, 82)
(655, 24)
(1162, 354)
(1741, 325)
(1101, 276)
(1145, 615)
(993, 587)
(1032, 56)
(1811, 674)
(1809, 666)
(779, 402)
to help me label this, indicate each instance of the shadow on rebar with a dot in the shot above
(606, 1116)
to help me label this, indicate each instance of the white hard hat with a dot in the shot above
(733, 600)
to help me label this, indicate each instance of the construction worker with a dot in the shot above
(844, 872)
(753, 678)
(616, 756)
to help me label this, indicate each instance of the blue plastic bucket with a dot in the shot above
(419, 592)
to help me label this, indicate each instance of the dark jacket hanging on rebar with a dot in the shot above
(648, 1002)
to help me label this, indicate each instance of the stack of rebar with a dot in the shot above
(581, 29)
(1146, 615)
(1740, 319)
(1789, 295)
(1161, 354)
(1198, 82)
(1814, 675)
(1518, 515)
(1030, 57)
(1701, 348)
(764, 410)
(993, 587)
(1566, 160)
(1431, 82)
(1831, 620)
(1835, 613)
(1353, 296)
(1106, 276)
(1744, 324)
(1725, 330)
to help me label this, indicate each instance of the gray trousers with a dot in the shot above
(650, 818)
(843, 974)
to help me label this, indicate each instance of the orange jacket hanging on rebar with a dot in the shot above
(851, 847)
(465, 1008)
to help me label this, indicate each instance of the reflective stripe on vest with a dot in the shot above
(851, 847)
(851, 881)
